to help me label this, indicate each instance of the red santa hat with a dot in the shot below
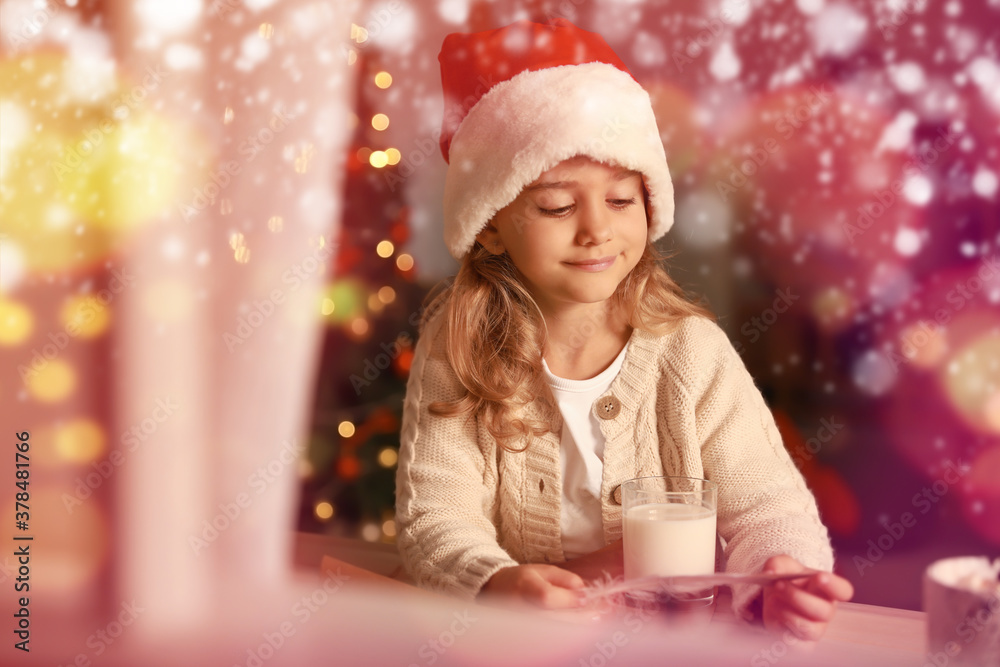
(521, 99)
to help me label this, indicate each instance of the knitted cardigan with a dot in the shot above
(466, 508)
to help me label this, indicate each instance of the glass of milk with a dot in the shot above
(669, 528)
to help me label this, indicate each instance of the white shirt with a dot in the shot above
(581, 454)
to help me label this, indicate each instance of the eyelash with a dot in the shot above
(617, 204)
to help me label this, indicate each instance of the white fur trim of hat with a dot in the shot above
(531, 122)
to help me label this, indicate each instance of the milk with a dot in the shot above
(669, 539)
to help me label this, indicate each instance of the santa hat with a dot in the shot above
(521, 99)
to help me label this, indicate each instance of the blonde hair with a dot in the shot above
(496, 336)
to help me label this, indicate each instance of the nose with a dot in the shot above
(594, 225)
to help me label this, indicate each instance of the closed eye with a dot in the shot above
(621, 204)
(556, 212)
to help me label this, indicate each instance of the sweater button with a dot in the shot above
(616, 495)
(608, 407)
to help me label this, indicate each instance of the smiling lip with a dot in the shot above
(594, 264)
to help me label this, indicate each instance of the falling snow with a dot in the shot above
(838, 30)
(984, 183)
(725, 63)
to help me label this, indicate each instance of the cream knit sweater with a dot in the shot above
(465, 508)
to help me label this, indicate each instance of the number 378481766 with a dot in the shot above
(22, 473)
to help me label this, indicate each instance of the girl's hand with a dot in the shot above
(545, 586)
(802, 606)
(608, 561)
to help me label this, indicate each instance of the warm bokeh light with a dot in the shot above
(991, 412)
(80, 441)
(924, 344)
(242, 254)
(266, 30)
(375, 304)
(370, 532)
(327, 307)
(971, 380)
(16, 322)
(383, 79)
(79, 173)
(393, 156)
(358, 33)
(387, 457)
(378, 159)
(346, 429)
(237, 240)
(324, 511)
(389, 527)
(386, 295)
(385, 249)
(833, 308)
(53, 382)
(359, 326)
(380, 121)
(275, 223)
(87, 315)
(404, 262)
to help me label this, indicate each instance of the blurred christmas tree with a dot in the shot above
(372, 307)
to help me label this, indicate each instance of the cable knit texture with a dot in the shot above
(465, 508)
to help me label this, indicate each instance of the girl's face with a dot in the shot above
(575, 233)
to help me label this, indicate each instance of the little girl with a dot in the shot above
(562, 360)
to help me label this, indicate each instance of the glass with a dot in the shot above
(668, 524)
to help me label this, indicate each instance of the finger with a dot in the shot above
(555, 597)
(563, 578)
(782, 564)
(802, 628)
(830, 586)
(804, 603)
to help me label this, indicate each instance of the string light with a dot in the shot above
(53, 382)
(328, 306)
(404, 262)
(352, 57)
(324, 511)
(385, 249)
(363, 154)
(380, 121)
(16, 322)
(241, 253)
(386, 295)
(389, 528)
(358, 34)
(86, 315)
(375, 304)
(387, 457)
(383, 79)
(359, 326)
(393, 156)
(227, 116)
(80, 441)
(302, 161)
(346, 429)
(378, 159)
(266, 30)
(276, 223)
(370, 532)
